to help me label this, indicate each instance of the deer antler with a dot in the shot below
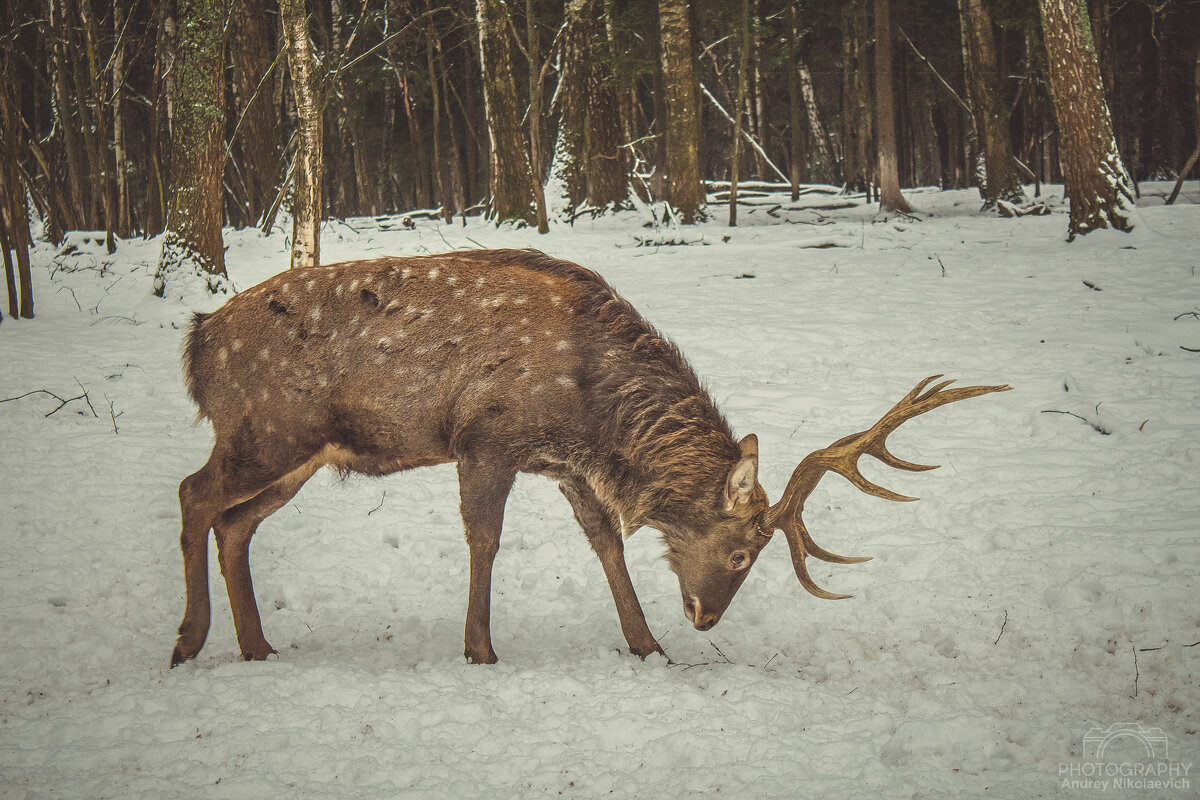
(842, 457)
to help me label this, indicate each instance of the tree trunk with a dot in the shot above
(796, 154)
(307, 204)
(511, 177)
(580, 27)
(683, 188)
(735, 157)
(121, 14)
(534, 52)
(890, 198)
(15, 223)
(193, 238)
(1000, 180)
(68, 120)
(1096, 181)
(856, 99)
(443, 196)
(257, 142)
(1191, 162)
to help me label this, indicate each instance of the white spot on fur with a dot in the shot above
(337, 290)
(562, 346)
(404, 273)
(354, 284)
(223, 354)
(521, 300)
(526, 340)
(451, 279)
(235, 345)
(457, 318)
(459, 292)
(315, 313)
(563, 380)
(433, 273)
(480, 281)
(555, 299)
(310, 285)
(287, 287)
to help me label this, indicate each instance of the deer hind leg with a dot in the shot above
(605, 537)
(233, 530)
(483, 490)
(198, 506)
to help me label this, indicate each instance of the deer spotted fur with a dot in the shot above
(502, 361)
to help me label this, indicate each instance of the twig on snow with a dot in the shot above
(1135, 672)
(1003, 625)
(61, 402)
(376, 508)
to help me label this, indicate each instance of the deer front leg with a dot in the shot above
(605, 537)
(483, 490)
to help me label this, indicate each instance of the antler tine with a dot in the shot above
(842, 457)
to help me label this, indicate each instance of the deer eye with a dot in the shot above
(738, 560)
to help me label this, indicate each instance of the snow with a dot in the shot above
(1044, 587)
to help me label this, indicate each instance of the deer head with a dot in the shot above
(712, 566)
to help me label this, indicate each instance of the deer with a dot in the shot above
(501, 362)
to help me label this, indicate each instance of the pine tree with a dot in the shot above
(193, 237)
(511, 178)
(1096, 181)
(1000, 181)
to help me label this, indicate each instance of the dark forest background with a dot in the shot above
(91, 99)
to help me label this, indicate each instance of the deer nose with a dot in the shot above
(701, 619)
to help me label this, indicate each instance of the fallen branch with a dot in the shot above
(61, 402)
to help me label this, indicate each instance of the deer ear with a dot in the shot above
(744, 475)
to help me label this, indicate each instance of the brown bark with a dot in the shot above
(15, 223)
(257, 139)
(890, 198)
(194, 215)
(743, 65)
(307, 204)
(857, 163)
(1096, 181)
(1191, 161)
(511, 177)
(534, 57)
(683, 188)
(1000, 180)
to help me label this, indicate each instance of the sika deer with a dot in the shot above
(501, 361)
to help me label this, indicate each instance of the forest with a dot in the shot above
(144, 118)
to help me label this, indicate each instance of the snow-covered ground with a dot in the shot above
(1043, 590)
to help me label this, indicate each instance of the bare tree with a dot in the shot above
(1096, 181)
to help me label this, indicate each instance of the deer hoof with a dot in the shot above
(481, 658)
(177, 657)
(259, 653)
